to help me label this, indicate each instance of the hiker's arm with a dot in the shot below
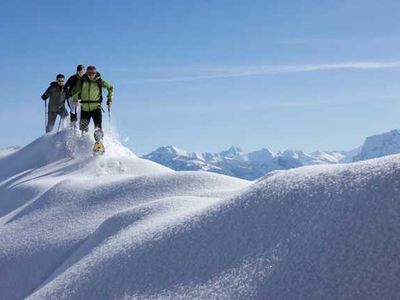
(46, 94)
(67, 86)
(110, 90)
(76, 91)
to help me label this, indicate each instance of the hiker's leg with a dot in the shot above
(63, 114)
(97, 119)
(84, 122)
(51, 119)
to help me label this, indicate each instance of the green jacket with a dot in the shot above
(90, 92)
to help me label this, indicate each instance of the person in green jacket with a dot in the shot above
(90, 90)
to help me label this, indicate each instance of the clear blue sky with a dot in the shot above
(204, 75)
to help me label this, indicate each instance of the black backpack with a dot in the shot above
(71, 84)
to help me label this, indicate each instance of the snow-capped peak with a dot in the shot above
(173, 150)
(380, 145)
(232, 152)
(261, 155)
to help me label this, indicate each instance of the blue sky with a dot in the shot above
(204, 75)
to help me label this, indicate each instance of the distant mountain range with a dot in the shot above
(252, 165)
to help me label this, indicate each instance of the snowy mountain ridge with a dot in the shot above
(236, 162)
(379, 145)
(78, 226)
(252, 165)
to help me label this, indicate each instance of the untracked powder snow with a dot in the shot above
(115, 226)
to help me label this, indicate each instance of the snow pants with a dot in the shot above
(52, 116)
(96, 115)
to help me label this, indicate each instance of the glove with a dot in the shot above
(109, 103)
(44, 97)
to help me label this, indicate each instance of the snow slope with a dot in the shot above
(55, 195)
(309, 233)
(7, 151)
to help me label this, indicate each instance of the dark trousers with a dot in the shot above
(52, 116)
(96, 115)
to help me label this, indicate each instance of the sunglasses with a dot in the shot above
(60, 80)
(91, 73)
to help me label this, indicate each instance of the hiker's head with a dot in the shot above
(60, 79)
(80, 70)
(91, 72)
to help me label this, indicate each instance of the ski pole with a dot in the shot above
(109, 118)
(59, 125)
(76, 118)
(45, 116)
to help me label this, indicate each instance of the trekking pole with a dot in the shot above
(76, 120)
(109, 118)
(59, 125)
(45, 116)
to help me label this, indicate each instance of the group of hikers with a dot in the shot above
(83, 92)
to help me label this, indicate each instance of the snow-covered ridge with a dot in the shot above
(252, 165)
(146, 232)
(8, 150)
(70, 155)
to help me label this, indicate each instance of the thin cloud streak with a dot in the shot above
(341, 40)
(270, 70)
(243, 107)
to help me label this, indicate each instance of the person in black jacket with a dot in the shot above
(56, 106)
(70, 85)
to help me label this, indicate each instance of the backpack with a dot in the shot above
(71, 84)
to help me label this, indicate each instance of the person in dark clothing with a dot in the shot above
(56, 106)
(70, 85)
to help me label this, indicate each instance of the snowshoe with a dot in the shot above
(98, 148)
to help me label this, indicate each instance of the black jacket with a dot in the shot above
(57, 95)
(70, 84)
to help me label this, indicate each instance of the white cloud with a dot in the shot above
(269, 70)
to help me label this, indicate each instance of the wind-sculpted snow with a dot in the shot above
(50, 159)
(65, 154)
(320, 232)
(54, 203)
(7, 151)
